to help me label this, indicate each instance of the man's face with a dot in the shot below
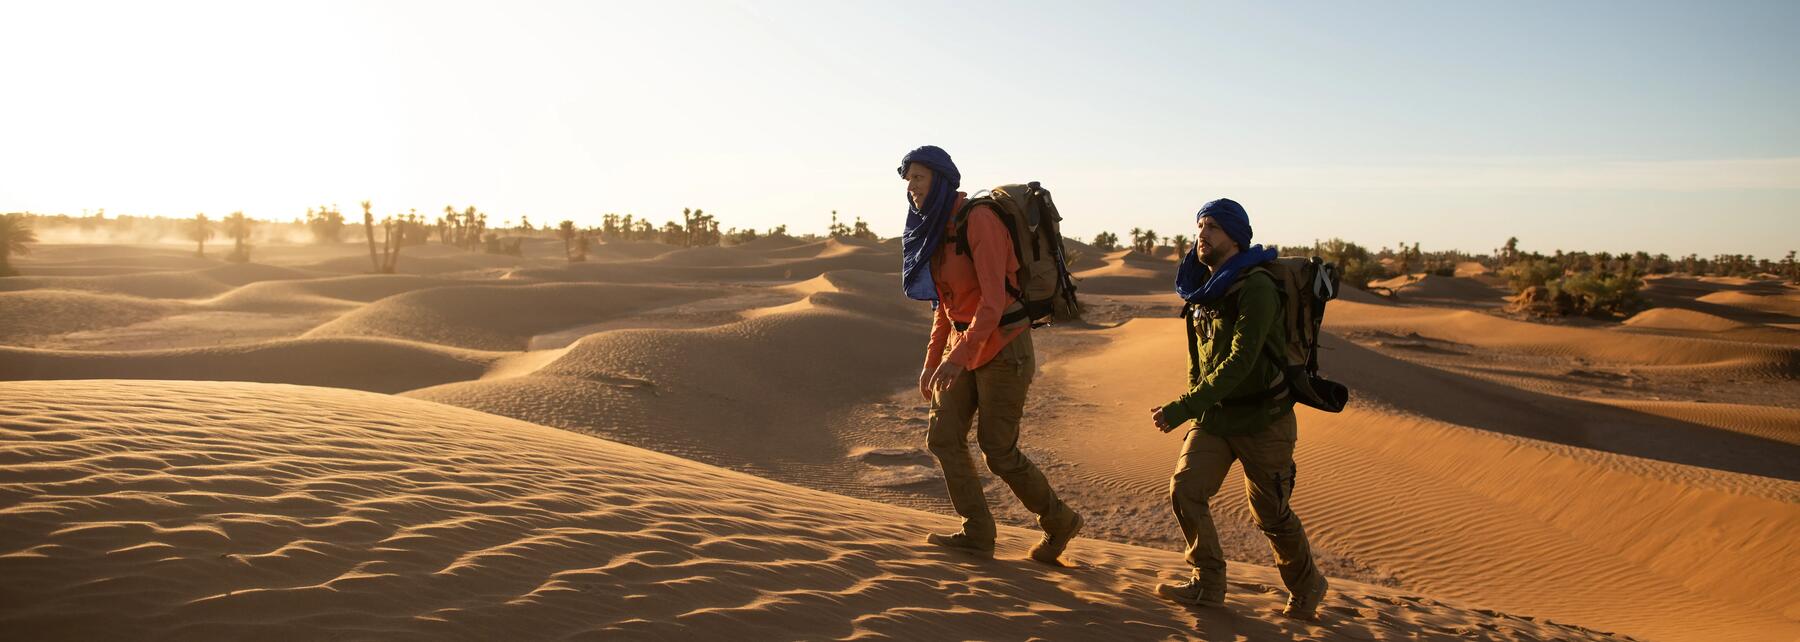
(1214, 243)
(918, 183)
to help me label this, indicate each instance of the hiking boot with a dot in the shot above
(1192, 593)
(1056, 540)
(963, 542)
(1303, 603)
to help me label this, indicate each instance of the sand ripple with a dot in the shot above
(232, 510)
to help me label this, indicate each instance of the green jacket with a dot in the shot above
(1233, 361)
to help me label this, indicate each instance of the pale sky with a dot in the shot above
(1666, 127)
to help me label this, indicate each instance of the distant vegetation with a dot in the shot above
(860, 230)
(238, 228)
(200, 230)
(15, 237)
(394, 234)
(1143, 240)
(575, 242)
(1562, 283)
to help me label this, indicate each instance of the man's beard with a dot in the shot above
(1210, 256)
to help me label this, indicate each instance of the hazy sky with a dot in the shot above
(1668, 127)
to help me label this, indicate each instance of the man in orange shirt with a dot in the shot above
(979, 361)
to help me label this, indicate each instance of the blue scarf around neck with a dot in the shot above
(925, 226)
(1197, 283)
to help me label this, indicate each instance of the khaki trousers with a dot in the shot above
(993, 398)
(1268, 459)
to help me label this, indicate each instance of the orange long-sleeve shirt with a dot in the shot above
(972, 290)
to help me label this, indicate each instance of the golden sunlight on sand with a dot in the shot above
(663, 443)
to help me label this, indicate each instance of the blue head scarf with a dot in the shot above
(1197, 283)
(925, 225)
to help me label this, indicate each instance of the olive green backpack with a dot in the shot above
(1046, 289)
(1305, 286)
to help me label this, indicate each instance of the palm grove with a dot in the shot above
(1601, 284)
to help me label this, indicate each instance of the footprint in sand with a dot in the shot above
(893, 467)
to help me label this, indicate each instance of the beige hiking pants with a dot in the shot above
(1268, 458)
(993, 397)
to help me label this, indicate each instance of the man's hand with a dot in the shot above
(925, 381)
(946, 374)
(1156, 417)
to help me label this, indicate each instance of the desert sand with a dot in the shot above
(690, 443)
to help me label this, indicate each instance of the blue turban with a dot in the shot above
(925, 225)
(1194, 281)
(1231, 217)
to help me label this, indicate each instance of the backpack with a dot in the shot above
(1046, 291)
(1305, 286)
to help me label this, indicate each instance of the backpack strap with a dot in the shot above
(959, 235)
(1005, 319)
(1270, 351)
(1193, 338)
(959, 224)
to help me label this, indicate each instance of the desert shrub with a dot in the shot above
(1602, 294)
(1525, 274)
(734, 236)
(1359, 272)
(1356, 265)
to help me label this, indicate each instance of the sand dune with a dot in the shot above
(499, 317)
(1691, 322)
(710, 257)
(1785, 304)
(257, 311)
(1567, 471)
(321, 292)
(628, 250)
(236, 274)
(811, 264)
(1477, 403)
(210, 278)
(140, 255)
(1456, 290)
(1740, 300)
(1679, 319)
(223, 510)
(1128, 272)
(149, 285)
(758, 394)
(1644, 351)
(769, 243)
(378, 365)
(1573, 533)
(1774, 424)
(426, 265)
(1083, 256)
(820, 249)
(1471, 268)
(28, 316)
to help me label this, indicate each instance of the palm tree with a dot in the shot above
(15, 232)
(567, 231)
(199, 232)
(369, 234)
(238, 228)
(1137, 238)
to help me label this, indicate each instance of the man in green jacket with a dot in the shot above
(1240, 400)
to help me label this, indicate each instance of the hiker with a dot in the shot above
(1241, 403)
(979, 361)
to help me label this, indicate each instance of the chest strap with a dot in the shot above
(1005, 319)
